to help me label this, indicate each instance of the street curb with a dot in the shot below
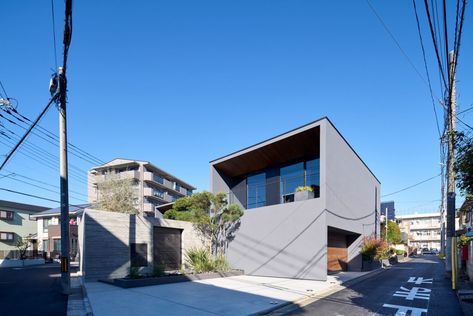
(308, 299)
(78, 303)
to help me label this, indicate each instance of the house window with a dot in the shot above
(158, 178)
(6, 236)
(177, 187)
(45, 245)
(57, 245)
(189, 192)
(256, 190)
(291, 177)
(8, 215)
(46, 222)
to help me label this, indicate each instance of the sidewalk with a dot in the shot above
(238, 295)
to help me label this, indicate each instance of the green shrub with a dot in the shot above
(382, 251)
(134, 273)
(374, 249)
(220, 264)
(158, 270)
(200, 260)
(368, 249)
(304, 188)
(400, 252)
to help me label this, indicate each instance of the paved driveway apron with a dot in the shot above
(416, 288)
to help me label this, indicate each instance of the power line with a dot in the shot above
(54, 33)
(411, 186)
(426, 69)
(434, 40)
(30, 195)
(41, 182)
(12, 152)
(395, 40)
(12, 177)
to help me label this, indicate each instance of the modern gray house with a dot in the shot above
(306, 234)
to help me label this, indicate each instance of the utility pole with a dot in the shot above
(386, 224)
(450, 267)
(64, 182)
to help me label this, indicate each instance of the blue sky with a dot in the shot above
(180, 83)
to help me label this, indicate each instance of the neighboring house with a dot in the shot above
(422, 230)
(49, 230)
(154, 186)
(389, 208)
(285, 233)
(15, 223)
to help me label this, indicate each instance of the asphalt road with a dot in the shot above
(382, 294)
(32, 291)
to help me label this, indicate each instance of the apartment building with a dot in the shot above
(155, 188)
(295, 232)
(15, 223)
(421, 230)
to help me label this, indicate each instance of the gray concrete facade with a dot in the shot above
(290, 239)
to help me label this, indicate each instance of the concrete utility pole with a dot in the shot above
(386, 224)
(64, 182)
(451, 242)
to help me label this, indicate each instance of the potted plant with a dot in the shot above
(303, 193)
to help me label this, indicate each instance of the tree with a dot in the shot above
(211, 215)
(464, 163)
(22, 244)
(394, 232)
(117, 195)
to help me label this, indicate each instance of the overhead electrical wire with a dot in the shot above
(12, 177)
(427, 69)
(411, 186)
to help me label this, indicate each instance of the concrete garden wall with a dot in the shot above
(105, 239)
(14, 263)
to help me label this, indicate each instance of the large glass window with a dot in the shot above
(292, 177)
(256, 190)
(313, 173)
(45, 245)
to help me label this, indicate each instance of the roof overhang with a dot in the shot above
(293, 147)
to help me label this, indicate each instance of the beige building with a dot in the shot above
(154, 186)
(421, 230)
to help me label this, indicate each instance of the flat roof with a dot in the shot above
(73, 210)
(22, 206)
(421, 215)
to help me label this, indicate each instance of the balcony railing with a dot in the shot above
(279, 191)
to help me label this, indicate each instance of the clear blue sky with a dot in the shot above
(180, 83)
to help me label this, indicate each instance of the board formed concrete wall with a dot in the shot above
(105, 239)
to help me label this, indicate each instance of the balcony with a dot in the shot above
(131, 174)
(434, 225)
(162, 196)
(164, 183)
(263, 192)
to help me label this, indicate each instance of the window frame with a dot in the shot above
(9, 215)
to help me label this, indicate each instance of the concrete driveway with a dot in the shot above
(239, 295)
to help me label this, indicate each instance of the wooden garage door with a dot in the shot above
(336, 252)
(167, 247)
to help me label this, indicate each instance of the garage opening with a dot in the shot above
(167, 247)
(338, 241)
